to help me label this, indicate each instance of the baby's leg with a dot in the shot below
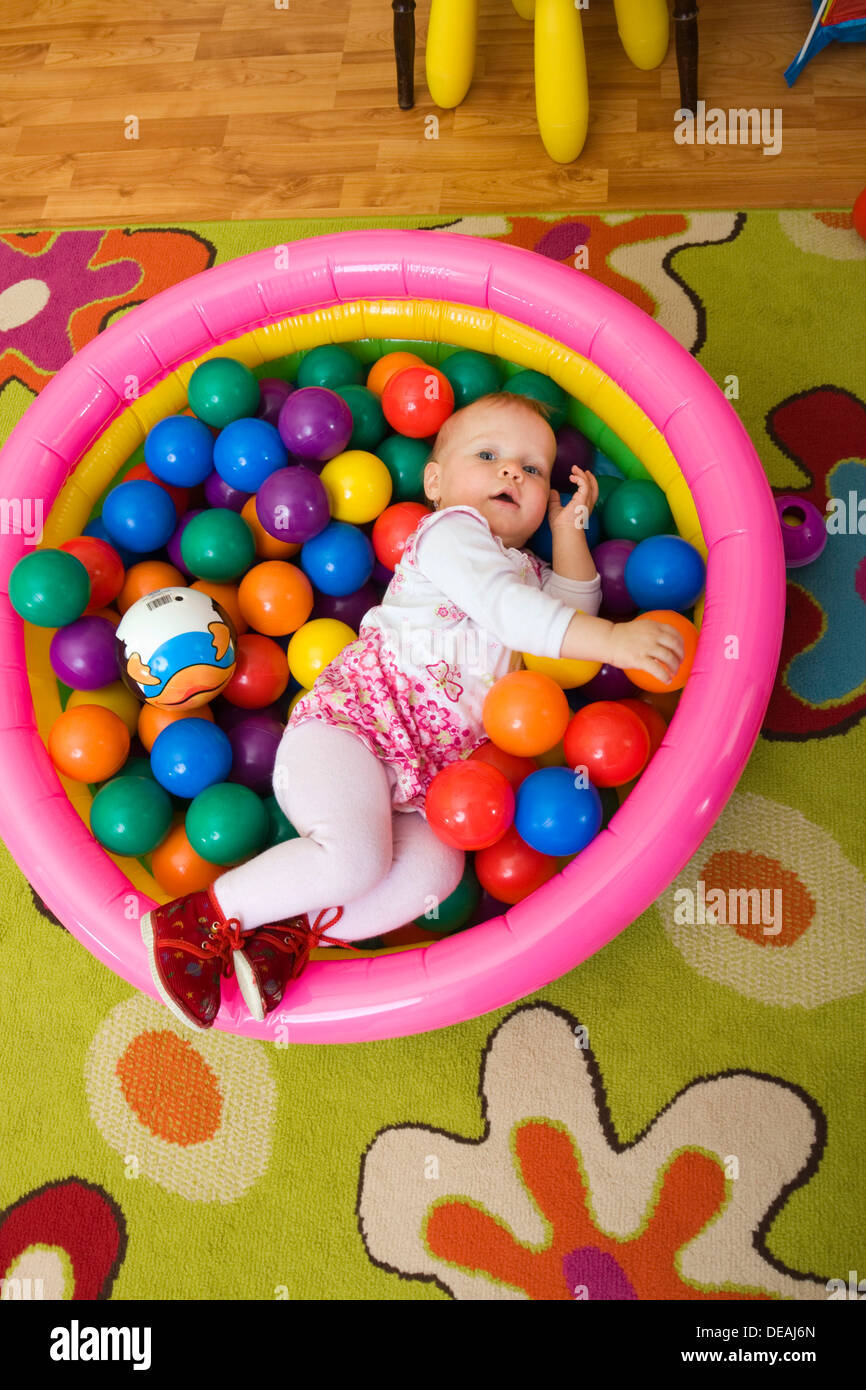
(337, 795)
(424, 870)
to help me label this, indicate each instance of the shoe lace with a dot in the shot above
(304, 937)
(221, 946)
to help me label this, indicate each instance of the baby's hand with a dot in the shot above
(580, 506)
(646, 645)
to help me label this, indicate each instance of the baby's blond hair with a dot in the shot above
(510, 398)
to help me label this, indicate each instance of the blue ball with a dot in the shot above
(247, 451)
(555, 816)
(541, 542)
(189, 755)
(338, 560)
(96, 528)
(664, 572)
(179, 451)
(139, 515)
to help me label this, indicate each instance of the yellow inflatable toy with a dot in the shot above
(561, 90)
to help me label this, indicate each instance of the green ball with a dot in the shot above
(607, 483)
(222, 390)
(331, 367)
(471, 375)
(280, 828)
(456, 909)
(49, 588)
(509, 369)
(130, 815)
(226, 823)
(218, 544)
(635, 510)
(369, 426)
(135, 767)
(404, 459)
(609, 805)
(540, 388)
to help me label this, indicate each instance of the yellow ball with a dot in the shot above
(298, 695)
(554, 757)
(567, 674)
(314, 646)
(115, 697)
(359, 486)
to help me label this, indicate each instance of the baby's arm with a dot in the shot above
(584, 594)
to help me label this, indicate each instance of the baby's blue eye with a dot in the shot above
(533, 467)
(485, 453)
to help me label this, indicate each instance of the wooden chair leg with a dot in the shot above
(404, 50)
(686, 22)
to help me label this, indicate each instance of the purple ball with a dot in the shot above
(254, 742)
(487, 908)
(347, 608)
(805, 535)
(315, 423)
(172, 545)
(610, 683)
(572, 448)
(84, 654)
(219, 493)
(382, 574)
(229, 716)
(293, 503)
(274, 394)
(610, 558)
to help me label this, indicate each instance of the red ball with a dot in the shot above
(261, 674)
(608, 740)
(656, 724)
(511, 869)
(469, 804)
(509, 764)
(178, 495)
(417, 401)
(859, 214)
(393, 528)
(104, 566)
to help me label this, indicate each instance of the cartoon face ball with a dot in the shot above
(176, 648)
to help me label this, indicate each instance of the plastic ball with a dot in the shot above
(142, 474)
(392, 530)
(189, 755)
(314, 646)
(567, 674)
(573, 449)
(655, 722)
(217, 544)
(610, 741)
(510, 869)
(642, 679)
(387, 366)
(347, 608)
(858, 214)
(636, 509)
(405, 460)
(254, 742)
(267, 548)
(104, 568)
(358, 485)
(96, 528)
(114, 697)
(293, 505)
(180, 450)
(261, 674)
(88, 743)
(131, 815)
(417, 401)
(152, 720)
(339, 559)
(554, 815)
(541, 541)
(469, 804)
(525, 713)
(609, 683)
(178, 869)
(610, 559)
(176, 648)
(49, 588)
(664, 571)
(471, 375)
(83, 654)
(275, 598)
(368, 422)
(454, 912)
(222, 390)
(315, 424)
(173, 544)
(273, 394)
(330, 366)
(804, 531)
(226, 595)
(540, 388)
(226, 823)
(280, 828)
(146, 578)
(246, 452)
(219, 493)
(607, 483)
(514, 769)
(139, 515)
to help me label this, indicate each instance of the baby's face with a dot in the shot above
(499, 461)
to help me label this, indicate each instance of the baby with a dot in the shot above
(399, 704)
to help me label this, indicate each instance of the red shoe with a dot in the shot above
(272, 956)
(190, 945)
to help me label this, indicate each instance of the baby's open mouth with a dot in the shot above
(505, 497)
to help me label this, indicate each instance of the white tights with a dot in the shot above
(353, 849)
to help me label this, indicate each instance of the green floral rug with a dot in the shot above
(680, 1117)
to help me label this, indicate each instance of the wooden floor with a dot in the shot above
(246, 110)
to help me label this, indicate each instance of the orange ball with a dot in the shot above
(153, 720)
(642, 679)
(267, 546)
(227, 596)
(512, 767)
(145, 578)
(89, 743)
(275, 598)
(109, 613)
(178, 869)
(381, 372)
(525, 713)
